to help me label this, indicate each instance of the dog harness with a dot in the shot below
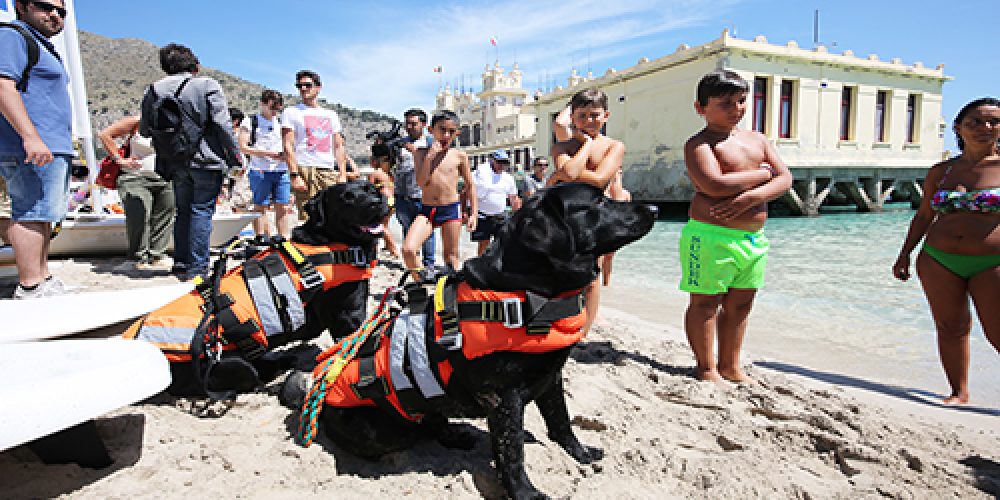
(405, 365)
(252, 307)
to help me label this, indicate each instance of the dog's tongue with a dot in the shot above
(373, 229)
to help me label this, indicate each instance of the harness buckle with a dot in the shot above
(512, 317)
(310, 277)
(356, 256)
(451, 341)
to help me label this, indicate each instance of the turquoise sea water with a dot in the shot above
(829, 304)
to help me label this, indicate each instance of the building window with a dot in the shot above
(465, 138)
(785, 115)
(881, 113)
(847, 113)
(913, 118)
(760, 104)
(476, 134)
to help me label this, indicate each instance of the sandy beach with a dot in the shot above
(630, 391)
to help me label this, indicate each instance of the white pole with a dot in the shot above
(78, 95)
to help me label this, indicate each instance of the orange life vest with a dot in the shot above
(404, 369)
(256, 302)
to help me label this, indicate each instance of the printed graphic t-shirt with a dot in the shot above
(268, 139)
(492, 190)
(314, 129)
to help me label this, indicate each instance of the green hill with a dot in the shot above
(119, 69)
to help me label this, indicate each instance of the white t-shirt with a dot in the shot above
(268, 139)
(492, 190)
(314, 129)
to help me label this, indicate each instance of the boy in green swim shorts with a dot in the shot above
(723, 250)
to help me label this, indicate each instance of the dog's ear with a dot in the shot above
(546, 231)
(316, 208)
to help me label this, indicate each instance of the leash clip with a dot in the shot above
(512, 317)
(310, 277)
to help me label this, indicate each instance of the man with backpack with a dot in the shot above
(36, 143)
(260, 140)
(188, 119)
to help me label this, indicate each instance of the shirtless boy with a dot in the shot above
(723, 249)
(437, 175)
(589, 157)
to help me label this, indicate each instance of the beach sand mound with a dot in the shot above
(630, 391)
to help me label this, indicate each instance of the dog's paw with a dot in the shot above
(581, 453)
(294, 390)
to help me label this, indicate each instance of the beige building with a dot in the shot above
(499, 117)
(858, 125)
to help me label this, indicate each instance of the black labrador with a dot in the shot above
(549, 246)
(349, 213)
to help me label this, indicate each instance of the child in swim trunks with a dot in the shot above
(723, 249)
(438, 177)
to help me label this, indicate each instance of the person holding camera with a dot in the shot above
(495, 188)
(408, 193)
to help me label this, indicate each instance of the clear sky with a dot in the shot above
(381, 55)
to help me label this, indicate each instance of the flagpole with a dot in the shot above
(78, 91)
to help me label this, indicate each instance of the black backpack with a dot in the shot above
(253, 129)
(175, 132)
(33, 53)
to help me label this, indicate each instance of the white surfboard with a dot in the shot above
(49, 317)
(51, 386)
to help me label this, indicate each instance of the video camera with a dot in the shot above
(387, 142)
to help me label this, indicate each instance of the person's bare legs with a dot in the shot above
(451, 231)
(732, 327)
(700, 327)
(261, 225)
(390, 242)
(282, 211)
(947, 295)
(985, 290)
(606, 260)
(30, 241)
(420, 230)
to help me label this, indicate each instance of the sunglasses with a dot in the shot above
(48, 8)
(304, 85)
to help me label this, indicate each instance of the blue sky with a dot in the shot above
(381, 55)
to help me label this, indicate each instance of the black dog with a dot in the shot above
(349, 213)
(549, 246)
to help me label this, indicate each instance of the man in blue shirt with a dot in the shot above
(36, 144)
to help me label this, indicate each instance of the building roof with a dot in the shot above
(760, 46)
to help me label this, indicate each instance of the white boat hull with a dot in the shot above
(105, 235)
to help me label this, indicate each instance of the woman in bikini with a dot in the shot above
(959, 220)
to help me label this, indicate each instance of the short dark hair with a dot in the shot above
(720, 83)
(312, 75)
(419, 113)
(589, 97)
(176, 58)
(982, 101)
(270, 95)
(444, 115)
(538, 159)
(235, 114)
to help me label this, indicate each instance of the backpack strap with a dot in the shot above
(253, 129)
(33, 53)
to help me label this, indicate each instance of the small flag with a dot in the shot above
(493, 41)
(437, 69)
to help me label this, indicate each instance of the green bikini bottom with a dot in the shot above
(964, 266)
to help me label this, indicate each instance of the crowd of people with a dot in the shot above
(171, 185)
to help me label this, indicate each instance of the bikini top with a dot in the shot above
(984, 200)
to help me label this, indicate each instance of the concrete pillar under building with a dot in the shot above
(866, 192)
(807, 195)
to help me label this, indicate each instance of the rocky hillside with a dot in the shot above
(118, 71)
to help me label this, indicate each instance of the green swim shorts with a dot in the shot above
(715, 258)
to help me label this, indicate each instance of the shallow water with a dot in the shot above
(830, 303)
